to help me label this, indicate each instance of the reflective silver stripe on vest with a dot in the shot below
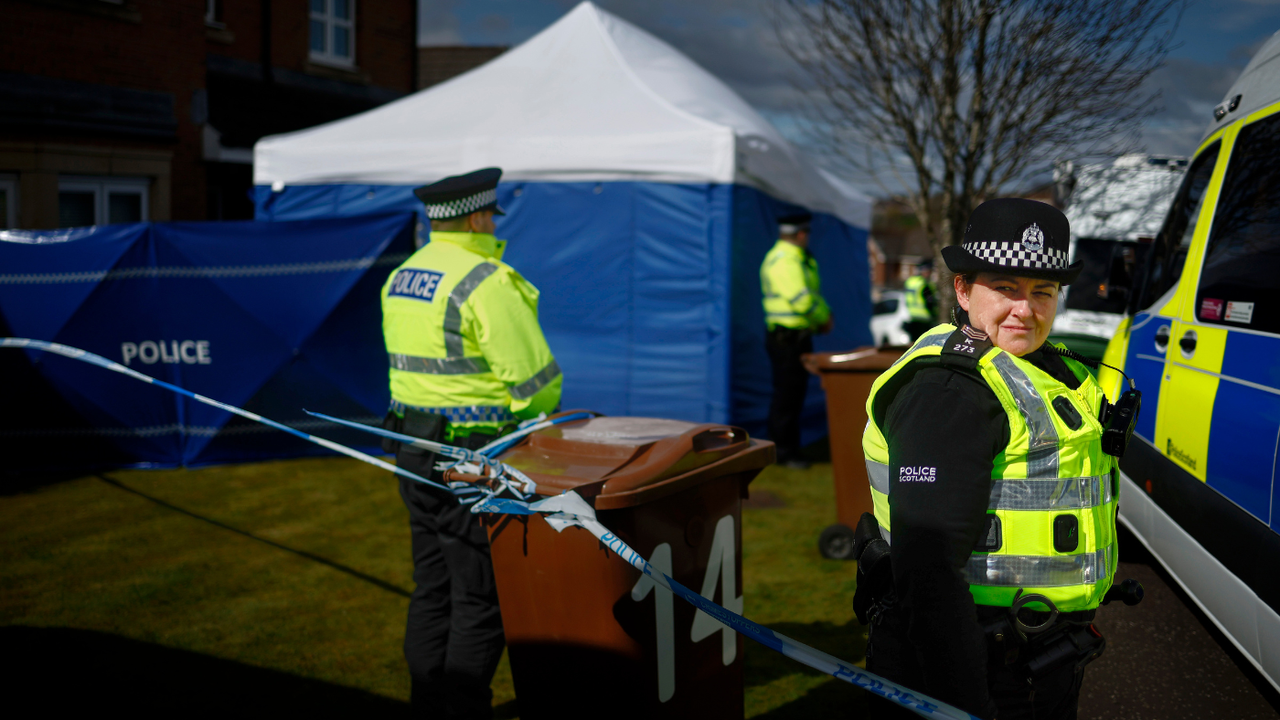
(438, 366)
(1059, 494)
(885, 534)
(1042, 451)
(878, 474)
(1031, 571)
(453, 311)
(927, 341)
(530, 387)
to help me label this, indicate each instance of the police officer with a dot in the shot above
(793, 311)
(990, 487)
(468, 361)
(922, 301)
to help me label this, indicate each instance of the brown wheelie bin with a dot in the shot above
(590, 636)
(847, 379)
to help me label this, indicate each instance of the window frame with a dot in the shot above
(326, 56)
(1212, 154)
(102, 189)
(9, 183)
(1213, 235)
(212, 9)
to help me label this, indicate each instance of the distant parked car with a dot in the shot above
(887, 318)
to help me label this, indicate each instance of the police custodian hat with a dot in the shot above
(460, 195)
(1018, 237)
(794, 222)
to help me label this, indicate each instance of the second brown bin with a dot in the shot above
(589, 635)
(847, 379)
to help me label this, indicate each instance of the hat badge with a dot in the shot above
(1033, 238)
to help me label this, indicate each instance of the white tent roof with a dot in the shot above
(592, 97)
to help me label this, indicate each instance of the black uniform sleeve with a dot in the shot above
(944, 430)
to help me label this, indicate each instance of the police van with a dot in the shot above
(1202, 341)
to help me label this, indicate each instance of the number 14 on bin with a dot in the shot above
(722, 569)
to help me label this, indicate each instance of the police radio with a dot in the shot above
(1118, 420)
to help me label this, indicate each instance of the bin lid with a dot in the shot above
(624, 461)
(863, 359)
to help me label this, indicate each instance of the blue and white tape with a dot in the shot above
(560, 511)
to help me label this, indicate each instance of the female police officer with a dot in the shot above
(991, 487)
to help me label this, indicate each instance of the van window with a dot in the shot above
(1164, 262)
(1240, 281)
(1107, 276)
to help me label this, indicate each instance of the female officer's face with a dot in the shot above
(1016, 312)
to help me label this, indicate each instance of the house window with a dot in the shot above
(101, 201)
(8, 201)
(213, 13)
(333, 36)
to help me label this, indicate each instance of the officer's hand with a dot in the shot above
(825, 327)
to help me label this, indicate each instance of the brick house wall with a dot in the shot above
(148, 91)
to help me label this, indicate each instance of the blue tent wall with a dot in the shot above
(841, 251)
(269, 316)
(633, 278)
(650, 291)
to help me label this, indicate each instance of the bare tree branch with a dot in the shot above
(959, 99)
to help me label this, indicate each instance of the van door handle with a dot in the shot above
(1162, 339)
(1188, 344)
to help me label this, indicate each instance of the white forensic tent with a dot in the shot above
(641, 194)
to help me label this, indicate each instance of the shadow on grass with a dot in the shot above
(831, 699)
(301, 553)
(834, 698)
(21, 481)
(847, 642)
(68, 669)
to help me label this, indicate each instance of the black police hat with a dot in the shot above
(460, 195)
(793, 222)
(1018, 237)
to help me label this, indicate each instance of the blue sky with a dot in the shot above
(735, 40)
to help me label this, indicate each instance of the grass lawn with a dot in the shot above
(287, 583)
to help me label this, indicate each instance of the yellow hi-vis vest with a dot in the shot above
(1050, 475)
(914, 289)
(789, 278)
(463, 339)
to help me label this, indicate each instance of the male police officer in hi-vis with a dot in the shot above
(921, 298)
(468, 362)
(793, 311)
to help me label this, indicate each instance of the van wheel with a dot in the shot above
(836, 543)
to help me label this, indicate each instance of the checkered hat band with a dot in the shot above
(462, 206)
(1014, 255)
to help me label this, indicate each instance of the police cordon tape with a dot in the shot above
(560, 511)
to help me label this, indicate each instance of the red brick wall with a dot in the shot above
(385, 38)
(94, 42)
(160, 46)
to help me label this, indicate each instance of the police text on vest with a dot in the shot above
(917, 473)
(415, 284)
(171, 352)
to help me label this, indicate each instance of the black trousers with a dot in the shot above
(790, 382)
(453, 639)
(892, 656)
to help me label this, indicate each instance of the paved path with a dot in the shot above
(1165, 659)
